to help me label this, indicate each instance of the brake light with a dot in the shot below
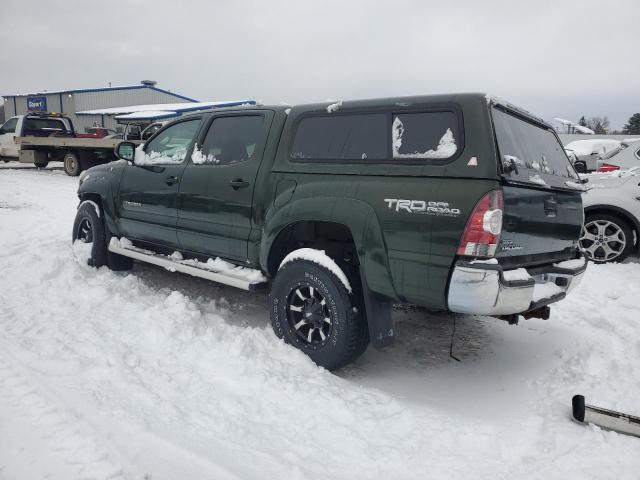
(607, 167)
(482, 233)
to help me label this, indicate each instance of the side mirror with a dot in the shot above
(125, 151)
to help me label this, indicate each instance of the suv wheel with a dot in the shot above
(312, 310)
(89, 227)
(71, 164)
(606, 238)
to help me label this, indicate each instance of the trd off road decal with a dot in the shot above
(422, 206)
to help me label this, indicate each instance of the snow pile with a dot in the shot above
(157, 158)
(542, 291)
(586, 147)
(322, 259)
(537, 179)
(334, 107)
(219, 265)
(570, 264)
(446, 147)
(124, 375)
(516, 275)
(200, 158)
(575, 185)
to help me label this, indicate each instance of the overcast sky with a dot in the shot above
(554, 58)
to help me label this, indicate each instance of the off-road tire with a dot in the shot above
(89, 228)
(348, 336)
(100, 255)
(621, 224)
(72, 165)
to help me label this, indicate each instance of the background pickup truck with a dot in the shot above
(40, 138)
(459, 203)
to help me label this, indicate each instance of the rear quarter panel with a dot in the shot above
(418, 246)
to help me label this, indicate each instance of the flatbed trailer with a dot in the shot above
(77, 154)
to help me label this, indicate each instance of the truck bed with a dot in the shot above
(69, 142)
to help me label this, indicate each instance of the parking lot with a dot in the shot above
(121, 375)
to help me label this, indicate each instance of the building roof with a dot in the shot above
(165, 107)
(102, 89)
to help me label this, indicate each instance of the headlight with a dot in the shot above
(83, 176)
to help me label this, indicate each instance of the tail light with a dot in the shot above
(607, 167)
(482, 233)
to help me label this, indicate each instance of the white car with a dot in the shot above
(584, 154)
(626, 156)
(612, 216)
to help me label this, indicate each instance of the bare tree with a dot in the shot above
(599, 125)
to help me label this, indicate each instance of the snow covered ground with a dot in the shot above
(153, 375)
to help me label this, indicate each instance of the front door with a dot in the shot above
(216, 193)
(8, 146)
(147, 199)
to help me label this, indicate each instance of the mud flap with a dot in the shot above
(378, 316)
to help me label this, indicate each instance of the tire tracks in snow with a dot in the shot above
(59, 431)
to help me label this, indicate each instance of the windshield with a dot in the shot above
(531, 153)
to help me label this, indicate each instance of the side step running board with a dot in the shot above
(235, 277)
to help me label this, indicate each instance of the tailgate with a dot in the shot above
(539, 226)
(543, 212)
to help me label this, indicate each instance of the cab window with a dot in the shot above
(9, 126)
(230, 140)
(169, 146)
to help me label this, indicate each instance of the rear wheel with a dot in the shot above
(606, 238)
(72, 164)
(312, 310)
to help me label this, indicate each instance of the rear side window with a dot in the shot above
(230, 140)
(342, 137)
(429, 135)
(378, 137)
(530, 152)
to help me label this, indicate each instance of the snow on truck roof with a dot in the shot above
(176, 108)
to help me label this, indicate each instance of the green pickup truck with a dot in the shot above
(461, 203)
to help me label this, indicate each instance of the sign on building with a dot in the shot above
(38, 104)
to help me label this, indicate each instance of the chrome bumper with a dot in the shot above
(480, 288)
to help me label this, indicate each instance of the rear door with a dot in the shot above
(216, 192)
(543, 211)
(148, 192)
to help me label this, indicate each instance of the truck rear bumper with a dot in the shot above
(481, 288)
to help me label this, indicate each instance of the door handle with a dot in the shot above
(171, 180)
(238, 183)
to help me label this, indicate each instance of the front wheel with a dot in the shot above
(312, 310)
(606, 238)
(89, 227)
